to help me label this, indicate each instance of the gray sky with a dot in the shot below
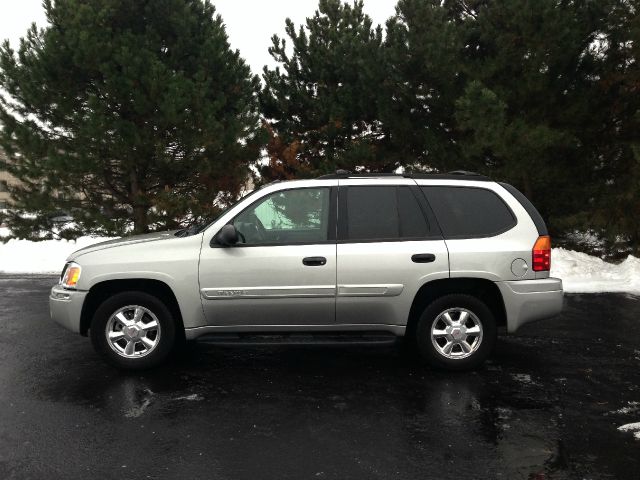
(250, 23)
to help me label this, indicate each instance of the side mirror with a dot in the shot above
(227, 236)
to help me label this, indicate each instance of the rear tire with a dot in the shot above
(456, 332)
(133, 330)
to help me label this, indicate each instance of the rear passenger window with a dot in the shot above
(467, 212)
(383, 213)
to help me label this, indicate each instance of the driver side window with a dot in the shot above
(286, 217)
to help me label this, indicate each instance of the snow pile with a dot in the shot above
(582, 273)
(48, 256)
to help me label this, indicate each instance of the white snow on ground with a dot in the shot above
(48, 256)
(631, 427)
(632, 407)
(580, 273)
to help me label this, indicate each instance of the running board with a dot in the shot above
(322, 339)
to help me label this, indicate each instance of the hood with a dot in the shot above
(120, 242)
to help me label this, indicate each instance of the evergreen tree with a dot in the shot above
(321, 102)
(424, 53)
(531, 111)
(540, 93)
(616, 208)
(126, 111)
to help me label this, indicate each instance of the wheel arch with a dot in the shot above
(105, 289)
(485, 290)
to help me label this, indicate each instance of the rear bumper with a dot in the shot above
(65, 307)
(530, 300)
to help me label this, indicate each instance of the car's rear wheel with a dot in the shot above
(456, 332)
(133, 330)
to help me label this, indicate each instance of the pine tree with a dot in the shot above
(424, 51)
(616, 207)
(321, 101)
(531, 111)
(126, 112)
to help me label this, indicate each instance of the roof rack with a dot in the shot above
(454, 175)
(464, 172)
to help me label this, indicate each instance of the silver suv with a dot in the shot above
(441, 260)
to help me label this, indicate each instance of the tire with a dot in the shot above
(117, 316)
(439, 331)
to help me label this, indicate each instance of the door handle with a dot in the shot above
(423, 258)
(314, 261)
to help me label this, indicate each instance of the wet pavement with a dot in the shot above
(547, 405)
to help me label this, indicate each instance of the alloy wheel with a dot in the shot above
(456, 333)
(133, 331)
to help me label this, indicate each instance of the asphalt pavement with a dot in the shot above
(547, 405)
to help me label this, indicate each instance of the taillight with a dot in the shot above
(542, 254)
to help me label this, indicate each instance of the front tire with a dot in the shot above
(456, 332)
(133, 330)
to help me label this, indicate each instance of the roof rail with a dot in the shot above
(464, 172)
(348, 174)
(454, 175)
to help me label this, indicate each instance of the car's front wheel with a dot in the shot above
(456, 332)
(133, 330)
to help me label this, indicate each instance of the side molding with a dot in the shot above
(268, 292)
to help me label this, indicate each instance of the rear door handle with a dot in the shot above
(423, 258)
(314, 261)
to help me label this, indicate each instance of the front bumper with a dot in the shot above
(529, 300)
(65, 307)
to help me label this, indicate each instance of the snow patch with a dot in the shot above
(48, 256)
(136, 411)
(631, 427)
(582, 273)
(194, 397)
(524, 378)
(521, 377)
(631, 408)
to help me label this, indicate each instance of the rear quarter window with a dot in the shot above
(469, 212)
(528, 206)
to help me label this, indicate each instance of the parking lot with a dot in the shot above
(547, 405)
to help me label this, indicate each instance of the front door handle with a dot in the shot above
(314, 261)
(423, 258)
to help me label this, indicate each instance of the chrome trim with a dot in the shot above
(268, 292)
(60, 295)
(365, 290)
(64, 270)
(370, 290)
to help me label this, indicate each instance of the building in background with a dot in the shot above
(6, 179)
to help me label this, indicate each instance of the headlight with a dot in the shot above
(70, 275)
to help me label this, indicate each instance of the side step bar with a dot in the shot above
(322, 339)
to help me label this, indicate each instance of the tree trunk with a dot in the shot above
(140, 219)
